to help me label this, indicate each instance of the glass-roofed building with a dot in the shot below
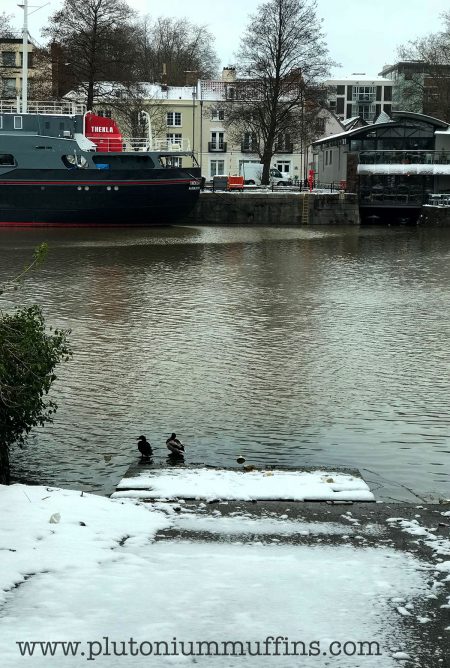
(396, 162)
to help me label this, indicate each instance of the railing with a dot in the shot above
(140, 144)
(439, 199)
(400, 196)
(419, 157)
(248, 148)
(217, 147)
(284, 148)
(8, 106)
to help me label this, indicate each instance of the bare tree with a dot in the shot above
(174, 46)
(6, 29)
(425, 86)
(282, 58)
(96, 39)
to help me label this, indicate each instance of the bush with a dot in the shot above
(28, 357)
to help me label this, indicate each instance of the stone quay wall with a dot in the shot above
(435, 216)
(272, 209)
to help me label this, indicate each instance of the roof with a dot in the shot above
(396, 117)
(357, 78)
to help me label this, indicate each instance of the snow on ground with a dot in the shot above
(213, 484)
(82, 568)
(438, 544)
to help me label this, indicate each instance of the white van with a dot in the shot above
(252, 173)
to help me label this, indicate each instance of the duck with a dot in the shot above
(144, 447)
(175, 446)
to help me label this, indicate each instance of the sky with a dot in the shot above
(362, 35)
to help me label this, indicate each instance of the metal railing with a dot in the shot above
(217, 147)
(439, 199)
(139, 144)
(11, 106)
(411, 157)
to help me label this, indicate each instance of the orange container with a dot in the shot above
(235, 183)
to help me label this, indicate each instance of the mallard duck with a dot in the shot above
(174, 445)
(144, 447)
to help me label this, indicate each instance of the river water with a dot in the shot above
(301, 347)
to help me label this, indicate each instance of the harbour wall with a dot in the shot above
(256, 208)
(435, 216)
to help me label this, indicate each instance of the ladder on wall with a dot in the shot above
(305, 209)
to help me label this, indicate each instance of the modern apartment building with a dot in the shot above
(360, 95)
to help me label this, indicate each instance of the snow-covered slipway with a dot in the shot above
(87, 580)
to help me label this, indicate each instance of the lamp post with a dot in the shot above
(146, 115)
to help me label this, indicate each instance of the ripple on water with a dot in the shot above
(297, 347)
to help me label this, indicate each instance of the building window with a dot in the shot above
(174, 118)
(217, 141)
(176, 161)
(340, 90)
(30, 59)
(9, 88)
(284, 166)
(320, 125)
(174, 138)
(8, 58)
(249, 143)
(217, 115)
(217, 168)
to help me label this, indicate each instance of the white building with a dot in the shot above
(360, 95)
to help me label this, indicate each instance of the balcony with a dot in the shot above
(217, 147)
(413, 157)
(364, 98)
(284, 148)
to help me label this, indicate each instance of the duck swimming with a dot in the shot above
(144, 447)
(175, 446)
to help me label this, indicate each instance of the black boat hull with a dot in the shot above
(95, 198)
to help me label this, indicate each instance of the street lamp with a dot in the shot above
(146, 116)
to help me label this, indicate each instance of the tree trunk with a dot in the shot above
(4, 465)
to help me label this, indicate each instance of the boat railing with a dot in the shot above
(110, 144)
(42, 107)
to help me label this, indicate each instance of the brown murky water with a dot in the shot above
(313, 346)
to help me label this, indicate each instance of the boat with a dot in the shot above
(77, 170)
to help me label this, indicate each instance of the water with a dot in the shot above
(312, 346)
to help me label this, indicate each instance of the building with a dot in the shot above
(395, 162)
(11, 66)
(193, 117)
(420, 87)
(360, 95)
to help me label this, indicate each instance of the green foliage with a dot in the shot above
(28, 357)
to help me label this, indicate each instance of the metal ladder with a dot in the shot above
(305, 209)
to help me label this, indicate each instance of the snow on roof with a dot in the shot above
(355, 78)
(411, 170)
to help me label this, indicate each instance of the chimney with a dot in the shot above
(229, 74)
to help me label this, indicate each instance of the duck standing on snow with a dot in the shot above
(175, 446)
(144, 447)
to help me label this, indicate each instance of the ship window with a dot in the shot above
(6, 159)
(17, 122)
(1, 122)
(74, 161)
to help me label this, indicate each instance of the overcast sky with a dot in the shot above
(362, 35)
